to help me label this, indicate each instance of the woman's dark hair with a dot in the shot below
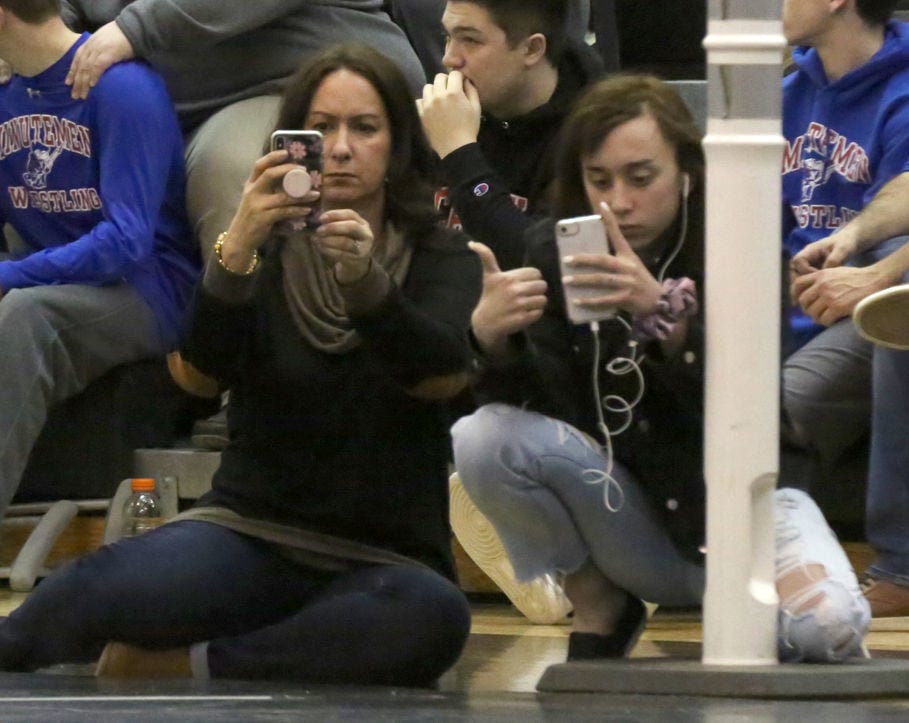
(409, 188)
(604, 107)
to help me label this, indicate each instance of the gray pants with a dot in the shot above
(827, 393)
(827, 387)
(219, 158)
(55, 341)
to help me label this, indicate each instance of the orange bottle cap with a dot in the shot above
(143, 484)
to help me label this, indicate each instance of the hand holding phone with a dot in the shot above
(305, 149)
(582, 235)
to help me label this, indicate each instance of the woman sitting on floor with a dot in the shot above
(322, 552)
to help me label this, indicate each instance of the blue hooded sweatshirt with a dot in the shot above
(96, 187)
(845, 140)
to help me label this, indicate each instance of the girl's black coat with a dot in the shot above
(551, 374)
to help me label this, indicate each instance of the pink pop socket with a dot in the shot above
(297, 183)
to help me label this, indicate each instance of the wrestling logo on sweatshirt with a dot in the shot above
(45, 138)
(818, 155)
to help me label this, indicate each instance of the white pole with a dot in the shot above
(743, 148)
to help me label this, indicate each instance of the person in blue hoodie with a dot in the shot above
(102, 261)
(845, 206)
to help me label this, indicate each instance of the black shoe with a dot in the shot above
(628, 628)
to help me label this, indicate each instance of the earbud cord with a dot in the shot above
(618, 366)
(596, 476)
(601, 420)
(683, 230)
(628, 407)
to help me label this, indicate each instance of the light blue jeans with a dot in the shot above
(546, 489)
(549, 493)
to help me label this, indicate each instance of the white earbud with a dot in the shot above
(686, 185)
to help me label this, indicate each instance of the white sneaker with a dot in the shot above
(824, 618)
(541, 601)
(883, 317)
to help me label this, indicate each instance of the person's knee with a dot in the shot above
(446, 616)
(481, 441)
(24, 316)
(438, 623)
(216, 167)
(830, 630)
(823, 615)
(65, 614)
(799, 404)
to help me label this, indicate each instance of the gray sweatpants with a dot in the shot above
(54, 341)
(219, 158)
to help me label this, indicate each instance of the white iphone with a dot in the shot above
(582, 235)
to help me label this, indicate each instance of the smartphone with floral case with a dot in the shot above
(305, 149)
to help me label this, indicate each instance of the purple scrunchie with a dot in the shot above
(678, 301)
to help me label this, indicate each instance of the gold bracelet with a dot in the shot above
(252, 264)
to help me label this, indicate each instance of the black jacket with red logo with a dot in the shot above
(495, 187)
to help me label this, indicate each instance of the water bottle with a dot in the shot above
(142, 511)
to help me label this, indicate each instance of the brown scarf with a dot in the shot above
(314, 296)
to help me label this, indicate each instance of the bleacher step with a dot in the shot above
(192, 467)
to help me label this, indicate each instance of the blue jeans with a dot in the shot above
(246, 610)
(887, 503)
(543, 485)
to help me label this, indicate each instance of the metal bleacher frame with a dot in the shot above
(180, 473)
(55, 517)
